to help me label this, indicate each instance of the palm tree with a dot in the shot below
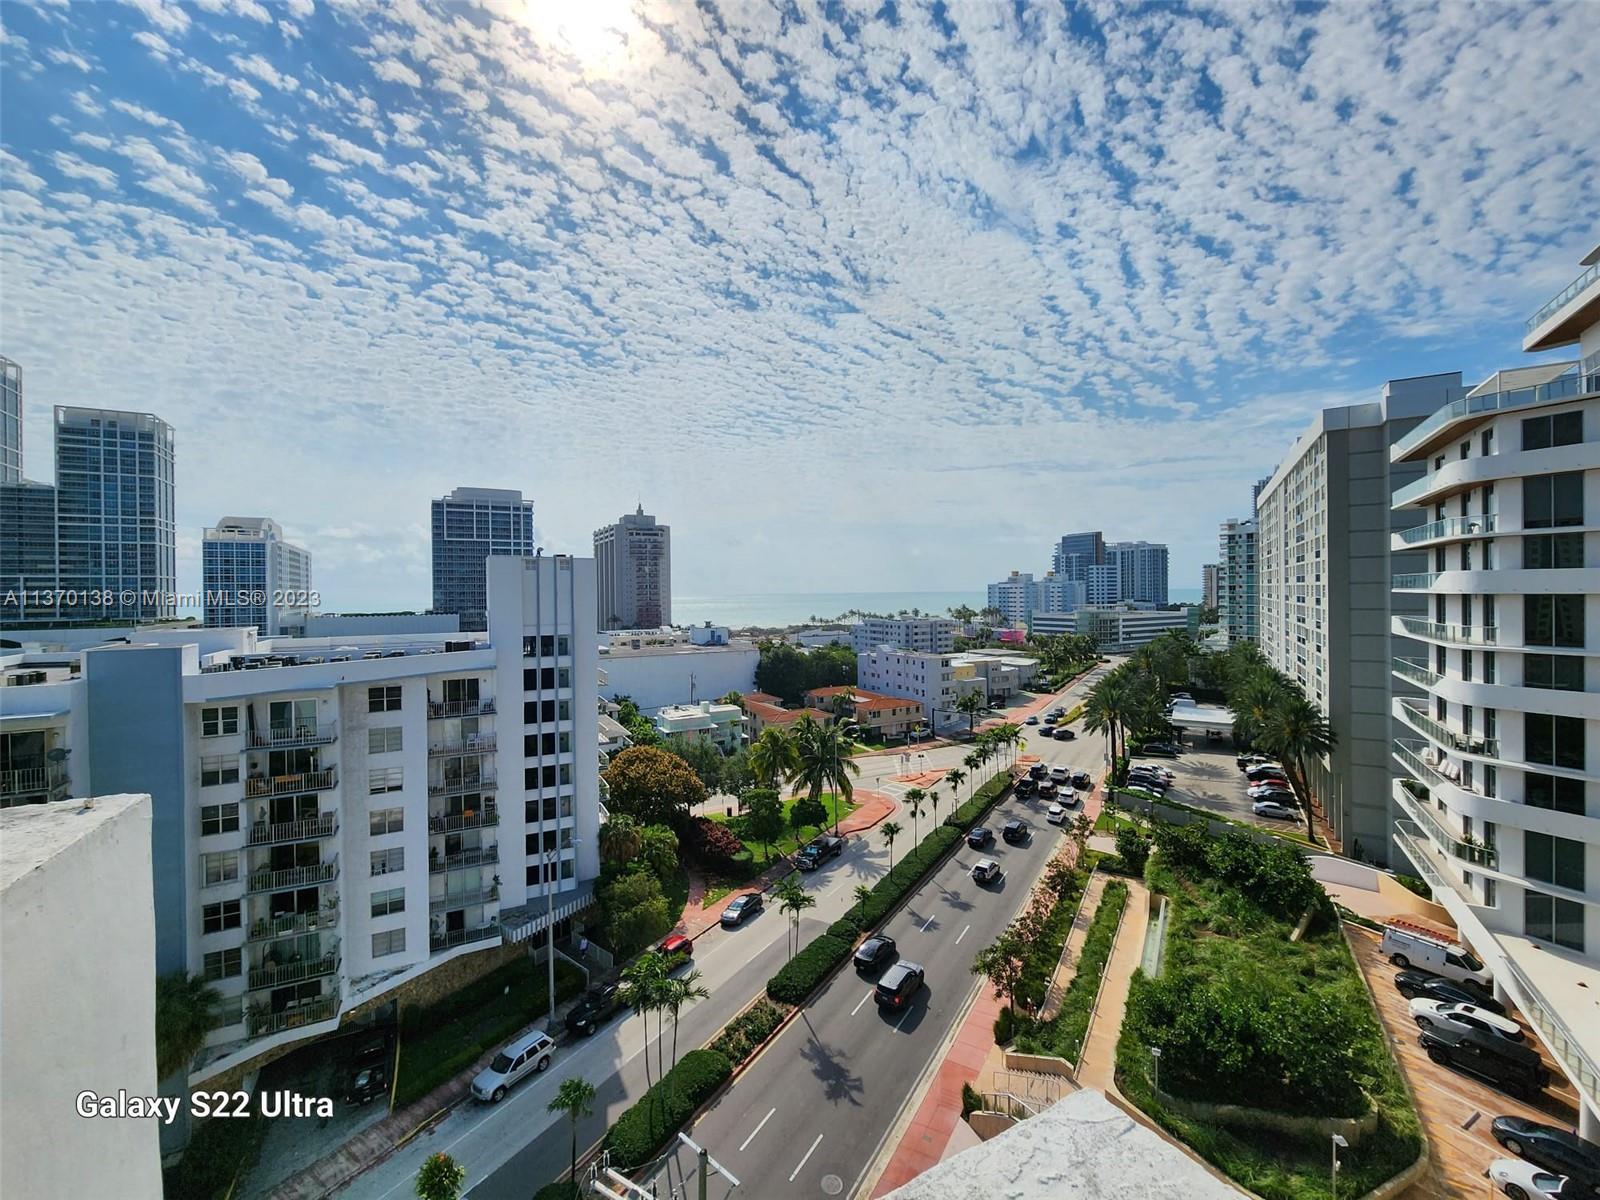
(440, 1177)
(914, 799)
(862, 892)
(933, 801)
(186, 1007)
(973, 762)
(971, 705)
(824, 762)
(1296, 731)
(792, 901)
(955, 777)
(620, 839)
(676, 994)
(772, 756)
(575, 1097)
(891, 830)
(641, 991)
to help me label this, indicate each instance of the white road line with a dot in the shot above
(859, 1003)
(757, 1129)
(962, 934)
(902, 1019)
(928, 922)
(814, 1146)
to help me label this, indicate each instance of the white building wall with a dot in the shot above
(680, 676)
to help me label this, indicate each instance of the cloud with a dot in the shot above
(259, 68)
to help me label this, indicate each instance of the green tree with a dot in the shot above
(1296, 731)
(955, 777)
(763, 819)
(574, 1098)
(736, 773)
(440, 1177)
(677, 992)
(933, 803)
(658, 851)
(964, 613)
(891, 830)
(862, 893)
(652, 786)
(793, 899)
(620, 840)
(972, 705)
(1002, 963)
(703, 757)
(914, 799)
(825, 763)
(635, 911)
(186, 1012)
(732, 698)
(773, 757)
(641, 729)
(642, 990)
(807, 810)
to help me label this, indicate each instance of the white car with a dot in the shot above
(1151, 768)
(986, 870)
(1056, 815)
(1427, 1012)
(1522, 1180)
(1272, 808)
(1269, 791)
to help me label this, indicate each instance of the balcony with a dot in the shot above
(278, 974)
(463, 937)
(1452, 635)
(1583, 315)
(1410, 753)
(1445, 736)
(438, 709)
(260, 1022)
(264, 834)
(287, 737)
(1473, 853)
(48, 780)
(1417, 672)
(293, 925)
(1574, 382)
(461, 787)
(292, 877)
(457, 900)
(291, 785)
(1414, 581)
(1451, 527)
(487, 856)
(483, 743)
(482, 818)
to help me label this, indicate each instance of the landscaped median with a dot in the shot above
(1062, 1036)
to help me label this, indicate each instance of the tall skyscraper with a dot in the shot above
(1141, 570)
(116, 542)
(633, 572)
(1255, 493)
(1237, 599)
(1075, 553)
(469, 525)
(1209, 584)
(252, 576)
(27, 553)
(10, 421)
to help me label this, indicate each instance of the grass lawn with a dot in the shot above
(1284, 832)
(1110, 823)
(750, 864)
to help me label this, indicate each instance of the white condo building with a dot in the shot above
(930, 678)
(1019, 596)
(1141, 571)
(633, 566)
(1236, 600)
(1500, 760)
(252, 576)
(927, 635)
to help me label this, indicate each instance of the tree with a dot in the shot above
(703, 757)
(641, 729)
(575, 1098)
(862, 892)
(1002, 962)
(891, 830)
(1296, 731)
(792, 901)
(933, 803)
(658, 851)
(773, 757)
(964, 613)
(955, 777)
(440, 1177)
(825, 763)
(807, 810)
(620, 840)
(636, 911)
(653, 786)
(186, 1008)
(736, 775)
(763, 818)
(675, 993)
(914, 799)
(732, 698)
(972, 704)
(642, 981)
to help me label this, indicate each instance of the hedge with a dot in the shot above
(655, 1116)
(844, 929)
(797, 977)
(968, 814)
(1063, 1035)
(740, 1036)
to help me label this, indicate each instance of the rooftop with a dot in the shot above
(33, 834)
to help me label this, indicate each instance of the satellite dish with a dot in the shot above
(57, 755)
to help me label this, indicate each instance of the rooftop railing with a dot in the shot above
(1563, 298)
(1573, 383)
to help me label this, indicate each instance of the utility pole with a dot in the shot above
(706, 1161)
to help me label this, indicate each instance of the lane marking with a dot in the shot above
(903, 1017)
(757, 1129)
(928, 922)
(962, 934)
(860, 1002)
(814, 1146)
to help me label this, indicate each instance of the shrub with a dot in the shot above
(1005, 1027)
(1133, 848)
(971, 1102)
(218, 1152)
(635, 911)
(798, 977)
(740, 1036)
(712, 842)
(1273, 873)
(652, 1118)
(983, 799)
(1063, 1034)
(845, 929)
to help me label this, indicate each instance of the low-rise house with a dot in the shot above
(720, 724)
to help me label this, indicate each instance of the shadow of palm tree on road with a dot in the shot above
(839, 1082)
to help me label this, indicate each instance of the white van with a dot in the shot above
(1415, 946)
(530, 1053)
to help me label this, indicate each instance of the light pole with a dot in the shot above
(1155, 1067)
(1333, 1182)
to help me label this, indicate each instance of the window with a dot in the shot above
(224, 768)
(384, 740)
(1552, 551)
(219, 818)
(1554, 792)
(563, 645)
(385, 779)
(1553, 621)
(1552, 919)
(387, 820)
(214, 918)
(388, 902)
(219, 722)
(1552, 501)
(1553, 859)
(1559, 429)
(219, 868)
(386, 862)
(1557, 672)
(383, 699)
(1555, 741)
(1488, 441)
(1488, 666)
(223, 964)
(392, 941)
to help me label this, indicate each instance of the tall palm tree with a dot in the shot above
(772, 756)
(641, 991)
(973, 762)
(933, 802)
(186, 1007)
(575, 1097)
(1296, 731)
(891, 830)
(862, 892)
(955, 777)
(824, 762)
(620, 839)
(793, 900)
(678, 992)
(971, 705)
(914, 799)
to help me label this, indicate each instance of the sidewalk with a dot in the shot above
(1099, 1066)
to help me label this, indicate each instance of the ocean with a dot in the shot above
(775, 609)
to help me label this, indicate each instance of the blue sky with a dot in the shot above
(856, 297)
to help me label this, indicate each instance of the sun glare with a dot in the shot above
(601, 35)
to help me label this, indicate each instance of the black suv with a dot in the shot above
(1038, 771)
(1553, 1149)
(875, 951)
(594, 1010)
(1082, 781)
(819, 851)
(1412, 983)
(898, 984)
(1025, 786)
(1507, 1065)
(980, 836)
(1014, 832)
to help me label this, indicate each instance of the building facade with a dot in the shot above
(929, 678)
(1210, 585)
(1076, 552)
(1141, 571)
(1102, 584)
(720, 724)
(884, 718)
(1020, 595)
(634, 560)
(925, 635)
(1499, 788)
(1122, 628)
(251, 576)
(470, 525)
(27, 554)
(677, 672)
(1236, 597)
(10, 421)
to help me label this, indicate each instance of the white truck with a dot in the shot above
(1409, 945)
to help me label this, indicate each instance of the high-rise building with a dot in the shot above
(1210, 583)
(1076, 552)
(1500, 764)
(1141, 571)
(1323, 559)
(1236, 600)
(10, 421)
(116, 541)
(1013, 597)
(1255, 493)
(633, 568)
(925, 635)
(1102, 583)
(27, 553)
(469, 526)
(252, 576)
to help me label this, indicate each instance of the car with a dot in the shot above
(1050, 719)
(1246, 761)
(1060, 775)
(1270, 791)
(980, 836)
(1058, 712)
(1412, 983)
(1524, 1181)
(1046, 789)
(1161, 749)
(1082, 781)
(899, 984)
(985, 870)
(1047, 731)
(876, 951)
(675, 944)
(1266, 771)
(1025, 786)
(528, 1055)
(594, 1009)
(1014, 832)
(1150, 783)
(1276, 810)
(1516, 1069)
(1182, 696)
(818, 851)
(1038, 771)
(1155, 769)
(1554, 1149)
(1056, 815)
(1031, 721)
(1063, 734)
(1427, 1012)
(1406, 943)
(367, 1083)
(740, 907)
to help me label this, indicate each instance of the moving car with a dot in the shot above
(1524, 1181)
(985, 870)
(1056, 815)
(741, 907)
(1554, 1149)
(1033, 720)
(898, 985)
(1275, 809)
(1014, 832)
(1467, 1016)
(980, 836)
(1058, 712)
(875, 952)
(675, 944)
(594, 1010)
(1406, 944)
(528, 1055)
(1412, 984)
(1063, 734)
(1082, 781)
(818, 851)
(367, 1083)
(1516, 1069)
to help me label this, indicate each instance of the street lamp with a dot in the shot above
(1155, 1066)
(1333, 1183)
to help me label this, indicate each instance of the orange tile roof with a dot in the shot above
(827, 693)
(762, 698)
(878, 703)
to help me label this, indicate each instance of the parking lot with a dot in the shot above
(1208, 777)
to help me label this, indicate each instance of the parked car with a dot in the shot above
(1060, 775)
(1275, 809)
(1514, 1068)
(740, 907)
(898, 985)
(1166, 773)
(1412, 983)
(1251, 758)
(1266, 771)
(675, 944)
(1427, 1012)
(1014, 832)
(1046, 788)
(1038, 771)
(1524, 1181)
(1149, 783)
(1554, 1149)
(367, 1083)
(1082, 781)
(875, 952)
(1025, 786)
(985, 870)
(1407, 944)
(594, 1009)
(1032, 720)
(1161, 749)
(980, 836)
(1056, 815)
(1269, 788)
(818, 851)
(528, 1055)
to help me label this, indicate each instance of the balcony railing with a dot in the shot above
(278, 974)
(1416, 672)
(481, 818)
(293, 924)
(290, 785)
(484, 743)
(467, 858)
(272, 881)
(455, 900)
(285, 737)
(306, 1013)
(1469, 852)
(460, 708)
(32, 781)
(1450, 527)
(1411, 753)
(1553, 1030)
(461, 787)
(1573, 383)
(1414, 581)
(1563, 298)
(1445, 736)
(463, 937)
(263, 833)
(1459, 635)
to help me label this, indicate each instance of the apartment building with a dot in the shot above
(1102, 584)
(1126, 628)
(722, 725)
(1076, 552)
(762, 710)
(633, 558)
(1141, 571)
(881, 717)
(1210, 585)
(252, 576)
(1236, 600)
(925, 635)
(1020, 595)
(928, 678)
(10, 421)
(1500, 760)
(471, 525)
(1323, 602)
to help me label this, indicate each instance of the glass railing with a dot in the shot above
(1414, 581)
(1468, 852)
(1563, 298)
(1445, 736)
(1436, 631)
(1410, 753)
(1573, 383)
(1417, 672)
(1450, 527)
(1553, 1030)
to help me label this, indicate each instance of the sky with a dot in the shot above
(855, 297)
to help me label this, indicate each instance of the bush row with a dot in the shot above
(740, 1036)
(1063, 1035)
(983, 799)
(797, 977)
(656, 1115)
